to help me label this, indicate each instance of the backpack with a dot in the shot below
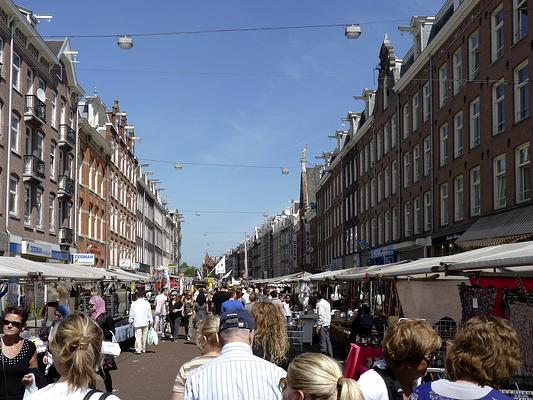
(394, 389)
(366, 323)
(93, 391)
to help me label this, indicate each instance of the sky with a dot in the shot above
(246, 98)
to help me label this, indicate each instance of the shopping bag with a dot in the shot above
(111, 348)
(151, 337)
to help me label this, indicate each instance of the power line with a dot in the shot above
(223, 212)
(225, 30)
(213, 164)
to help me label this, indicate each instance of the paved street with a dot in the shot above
(151, 375)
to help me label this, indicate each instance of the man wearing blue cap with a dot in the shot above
(236, 374)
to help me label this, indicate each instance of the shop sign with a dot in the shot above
(83, 258)
(453, 237)
(125, 263)
(35, 250)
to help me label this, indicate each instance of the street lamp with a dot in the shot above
(125, 42)
(352, 31)
(285, 171)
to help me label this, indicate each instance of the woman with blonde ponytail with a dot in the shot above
(318, 377)
(76, 348)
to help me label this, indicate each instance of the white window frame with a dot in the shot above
(394, 131)
(521, 92)
(475, 191)
(407, 219)
(379, 146)
(458, 71)
(387, 226)
(394, 176)
(13, 196)
(416, 163)
(523, 173)
(38, 208)
(406, 169)
(458, 135)
(27, 203)
(444, 195)
(443, 85)
(520, 20)
(459, 198)
(53, 149)
(15, 71)
(416, 215)
(386, 138)
(473, 56)
(427, 211)
(443, 148)
(427, 155)
(53, 102)
(30, 77)
(426, 105)
(498, 107)
(405, 125)
(475, 123)
(415, 108)
(499, 181)
(395, 223)
(380, 187)
(15, 132)
(497, 34)
(373, 194)
(387, 182)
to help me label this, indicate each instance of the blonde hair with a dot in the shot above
(206, 334)
(270, 332)
(321, 377)
(408, 342)
(485, 351)
(77, 344)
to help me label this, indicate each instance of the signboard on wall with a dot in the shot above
(83, 258)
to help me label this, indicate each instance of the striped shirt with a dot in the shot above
(186, 369)
(236, 374)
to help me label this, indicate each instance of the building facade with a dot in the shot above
(38, 100)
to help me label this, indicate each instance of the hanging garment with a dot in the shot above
(476, 301)
(521, 317)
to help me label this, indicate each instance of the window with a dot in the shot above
(52, 160)
(523, 174)
(372, 192)
(475, 127)
(386, 138)
(15, 71)
(406, 169)
(415, 112)
(387, 182)
(28, 147)
(394, 175)
(52, 213)
(387, 226)
(29, 81)
(416, 215)
(367, 157)
(405, 120)
(13, 195)
(39, 139)
(372, 152)
(519, 19)
(53, 102)
(443, 144)
(473, 56)
(498, 107)
(426, 106)
(27, 203)
(380, 187)
(416, 163)
(500, 188)
(475, 191)
(443, 85)
(15, 126)
(394, 131)
(444, 204)
(458, 201)
(458, 135)
(42, 85)
(367, 195)
(379, 143)
(427, 210)
(427, 155)
(1, 52)
(407, 218)
(385, 92)
(380, 228)
(457, 71)
(395, 231)
(497, 33)
(521, 92)
(39, 208)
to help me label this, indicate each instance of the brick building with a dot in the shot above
(38, 100)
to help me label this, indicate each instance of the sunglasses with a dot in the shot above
(16, 324)
(91, 305)
(57, 315)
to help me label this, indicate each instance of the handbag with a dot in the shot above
(111, 348)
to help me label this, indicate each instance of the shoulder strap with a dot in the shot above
(105, 396)
(90, 393)
(394, 389)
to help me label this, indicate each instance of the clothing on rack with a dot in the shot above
(476, 301)
(521, 317)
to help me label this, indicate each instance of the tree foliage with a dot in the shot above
(188, 270)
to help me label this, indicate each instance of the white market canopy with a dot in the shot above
(329, 275)
(284, 279)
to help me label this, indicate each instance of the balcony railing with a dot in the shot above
(67, 135)
(33, 168)
(35, 109)
(65, 236)
(65, 186)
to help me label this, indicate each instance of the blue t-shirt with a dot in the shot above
(231, 305)
(444, 389)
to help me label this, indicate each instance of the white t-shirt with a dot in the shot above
(59, 391)
(373, 386)
(161, 304)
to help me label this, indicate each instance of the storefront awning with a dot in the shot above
(501, 228)
(330, 275)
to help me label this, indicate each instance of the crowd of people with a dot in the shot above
(245, 354)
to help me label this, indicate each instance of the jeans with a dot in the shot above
(325, 341)
(140, 338)
(175, 327)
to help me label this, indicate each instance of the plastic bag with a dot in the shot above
(151, 337)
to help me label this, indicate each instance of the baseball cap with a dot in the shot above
(241, 319)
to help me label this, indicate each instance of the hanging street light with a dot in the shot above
(352, 31)
(125, 42)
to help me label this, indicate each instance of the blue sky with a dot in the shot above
(252, 98)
